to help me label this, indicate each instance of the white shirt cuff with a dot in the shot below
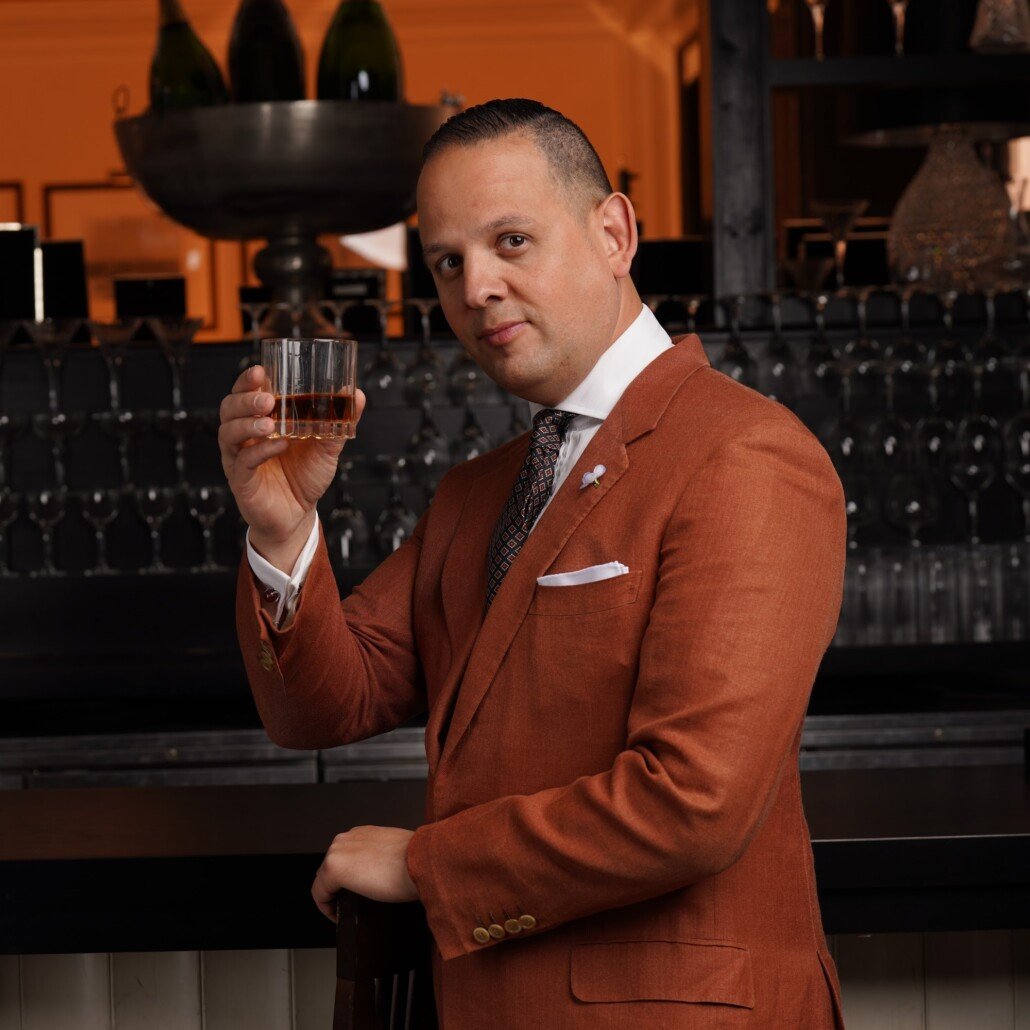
(287, 587)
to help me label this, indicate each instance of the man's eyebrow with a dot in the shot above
(513, 219)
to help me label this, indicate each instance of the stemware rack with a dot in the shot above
(133, 452)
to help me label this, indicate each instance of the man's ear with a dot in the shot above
(619, 221)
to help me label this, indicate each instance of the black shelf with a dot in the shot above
(884, 72)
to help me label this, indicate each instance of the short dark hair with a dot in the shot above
(570, 155)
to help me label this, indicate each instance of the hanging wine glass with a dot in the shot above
(951, 373)
(860, 507)
(10, 503)
(906, 367)
(123, 426)
(255, 312)
(817, 9)
(839, 218)
(58, 427)
(424, 377)
(898, 8)
(776, 369)
(179, 424)
(174, 335)
(207, 506)
(155, 505)
(52, 337)
(394, 525)
(347, 534)
(995, 390)
(428, 451)
(383, 377)
(862, 360)
(467, 383)
(518, 423)
(735, 361)
(100, 508)
(46, 509)
(974, 458)
(11, 428)
(113, 339)
(473, 440)
(1016, 449)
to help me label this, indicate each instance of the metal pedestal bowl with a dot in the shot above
(284, 172)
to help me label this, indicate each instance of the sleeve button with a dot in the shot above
(496, 931)
(527, 922)
(481, 934)
(513, 926)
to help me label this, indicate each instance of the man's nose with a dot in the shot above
(483, 282)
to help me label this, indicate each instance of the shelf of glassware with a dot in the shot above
(910, 70)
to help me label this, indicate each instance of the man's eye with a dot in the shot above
(516, 239)
(443, 266)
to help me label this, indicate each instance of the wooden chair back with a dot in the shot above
(384, 977)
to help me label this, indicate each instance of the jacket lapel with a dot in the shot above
(479, 644)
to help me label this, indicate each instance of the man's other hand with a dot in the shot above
(368, 860)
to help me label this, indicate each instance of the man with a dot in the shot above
(614, 622)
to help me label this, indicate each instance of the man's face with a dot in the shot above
(507, 245)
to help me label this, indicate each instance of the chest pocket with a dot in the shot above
(584, 598)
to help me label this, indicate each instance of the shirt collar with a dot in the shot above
(616, 368)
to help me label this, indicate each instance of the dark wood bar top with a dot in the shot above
(111, 869)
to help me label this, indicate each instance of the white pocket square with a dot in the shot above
(588, 575)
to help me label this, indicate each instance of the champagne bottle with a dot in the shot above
(360, 59)
(266, 61)
(182, 72)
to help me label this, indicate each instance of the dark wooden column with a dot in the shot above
(741, 146)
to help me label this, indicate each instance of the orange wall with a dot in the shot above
(61, 61)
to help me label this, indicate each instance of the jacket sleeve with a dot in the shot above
(342, 670)
(748, 593)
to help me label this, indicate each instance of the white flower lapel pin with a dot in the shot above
(592, 477)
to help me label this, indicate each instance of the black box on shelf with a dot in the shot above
(64, 279)
(18, 271)
(141, 296)
(682, 265)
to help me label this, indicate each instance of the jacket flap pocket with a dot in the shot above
(685, 970)
(581, 598)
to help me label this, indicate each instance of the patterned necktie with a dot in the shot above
(528, 496)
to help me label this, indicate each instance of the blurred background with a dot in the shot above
(834, 194)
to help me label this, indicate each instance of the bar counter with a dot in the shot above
(160, 869)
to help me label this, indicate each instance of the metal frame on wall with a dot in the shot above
(51, 191)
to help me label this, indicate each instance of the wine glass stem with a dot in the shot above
(180, 457)
(840, 251)
(817, 24)
(898, 7)
(4, 570)
(123, 458)
(58, 462)
(53, 366)
(155, 548)
(176, 384)
(101, 565)
(3, 463)
(209, 544)
(973, 537)
(1026, 518)
(48, 551)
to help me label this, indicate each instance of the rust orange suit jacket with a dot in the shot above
(614, 762)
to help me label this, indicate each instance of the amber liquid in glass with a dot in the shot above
(326, 416)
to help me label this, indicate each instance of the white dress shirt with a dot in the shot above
(591, 401)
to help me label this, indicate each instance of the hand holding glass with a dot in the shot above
(312, 383)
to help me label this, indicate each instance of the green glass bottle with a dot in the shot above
(266, 61)
(360, 59)
(182, 72)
